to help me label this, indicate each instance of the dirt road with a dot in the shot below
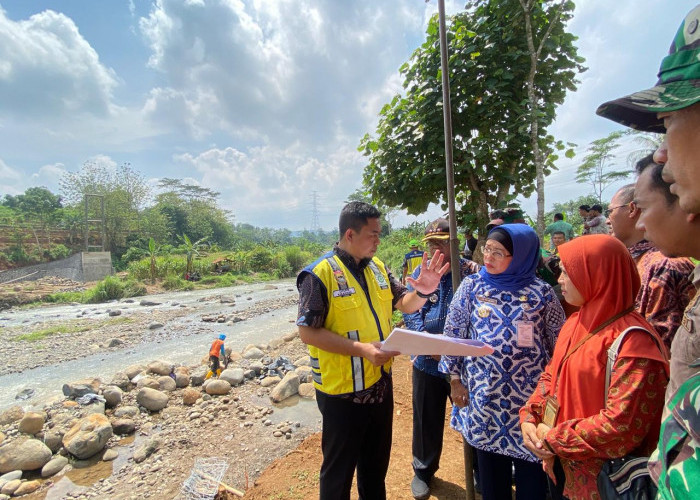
(295, 476)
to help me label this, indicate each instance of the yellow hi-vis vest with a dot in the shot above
(355, 315)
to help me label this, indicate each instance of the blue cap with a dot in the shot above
(222, 336)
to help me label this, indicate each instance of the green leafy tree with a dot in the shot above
(37, 205)
(598, 165)
(493, 159)
(193, 210)
(125, 192)
(570, 211)
(545, 23)
(192, 250)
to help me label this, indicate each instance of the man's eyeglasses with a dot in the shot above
(496, 254)
(608, 211)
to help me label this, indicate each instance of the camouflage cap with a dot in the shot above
(678, 86)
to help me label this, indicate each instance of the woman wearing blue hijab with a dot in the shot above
(509, 308)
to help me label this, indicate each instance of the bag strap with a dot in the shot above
(614, 350)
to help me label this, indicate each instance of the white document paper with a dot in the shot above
(413, 342)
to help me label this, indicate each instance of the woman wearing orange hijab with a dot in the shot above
(567, 422)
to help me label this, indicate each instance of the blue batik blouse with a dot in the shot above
(501, 383)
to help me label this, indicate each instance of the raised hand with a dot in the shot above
(430, 273)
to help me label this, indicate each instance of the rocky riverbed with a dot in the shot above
(110, 328)
(137, 433)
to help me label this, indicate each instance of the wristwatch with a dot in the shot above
(424, 295)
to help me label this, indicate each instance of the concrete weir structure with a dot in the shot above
(83, 266)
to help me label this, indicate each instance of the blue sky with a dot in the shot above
(264, 101)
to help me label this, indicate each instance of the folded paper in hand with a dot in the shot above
(413, 342)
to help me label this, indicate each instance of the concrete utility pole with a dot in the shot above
(454, 240)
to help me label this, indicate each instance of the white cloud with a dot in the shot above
(49, 176)
(49, 70)
(272, 186)
(10, 179)
(276, 71)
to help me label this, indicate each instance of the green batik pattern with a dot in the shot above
(676, 460)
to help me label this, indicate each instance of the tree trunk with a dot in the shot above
(534, 125)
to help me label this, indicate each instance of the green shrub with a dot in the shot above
(296, 257)
(56, 252)
(110, 288)
(174, 283)
(283, 268)
(132, 254)
(133, 288)
(18, 255)
(260, 259)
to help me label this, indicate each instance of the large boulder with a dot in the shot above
(146, 450)
(182, 376)
(81, 388)
(160, 367)
(126, 411)
(32, 422)
(190, 396)
(54, 440)
(121, 380)
(23, 454)
(166, 383)
(218, 387)
(147, 381)
(54, 466)
(253, 353)
(197, 376)
(152, 399)
(307, 390)
(132, 370)
(123, 426)
(26, 488)
(10, 487)
(304, 373)
(289, 386)
(12, 414)
(113, 395)
(234, 376)
(88, 436)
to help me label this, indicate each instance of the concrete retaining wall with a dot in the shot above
(82, 266)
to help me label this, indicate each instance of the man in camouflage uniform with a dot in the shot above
(673, 107)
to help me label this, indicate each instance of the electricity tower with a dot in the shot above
(315, 226)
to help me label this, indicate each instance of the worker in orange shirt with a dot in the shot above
(216, 352)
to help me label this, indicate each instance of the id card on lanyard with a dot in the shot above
(551, 404)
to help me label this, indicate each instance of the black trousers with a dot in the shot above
(496, 477)
(214, 360)
(556, 491)
(355, 436)
(430, 395)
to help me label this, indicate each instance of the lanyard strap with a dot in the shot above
(585, 339)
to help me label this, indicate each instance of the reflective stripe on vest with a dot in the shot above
(358, 370)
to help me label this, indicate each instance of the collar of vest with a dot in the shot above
(349, 260)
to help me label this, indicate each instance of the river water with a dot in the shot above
(177, 346)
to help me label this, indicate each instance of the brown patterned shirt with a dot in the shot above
(666, 288)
